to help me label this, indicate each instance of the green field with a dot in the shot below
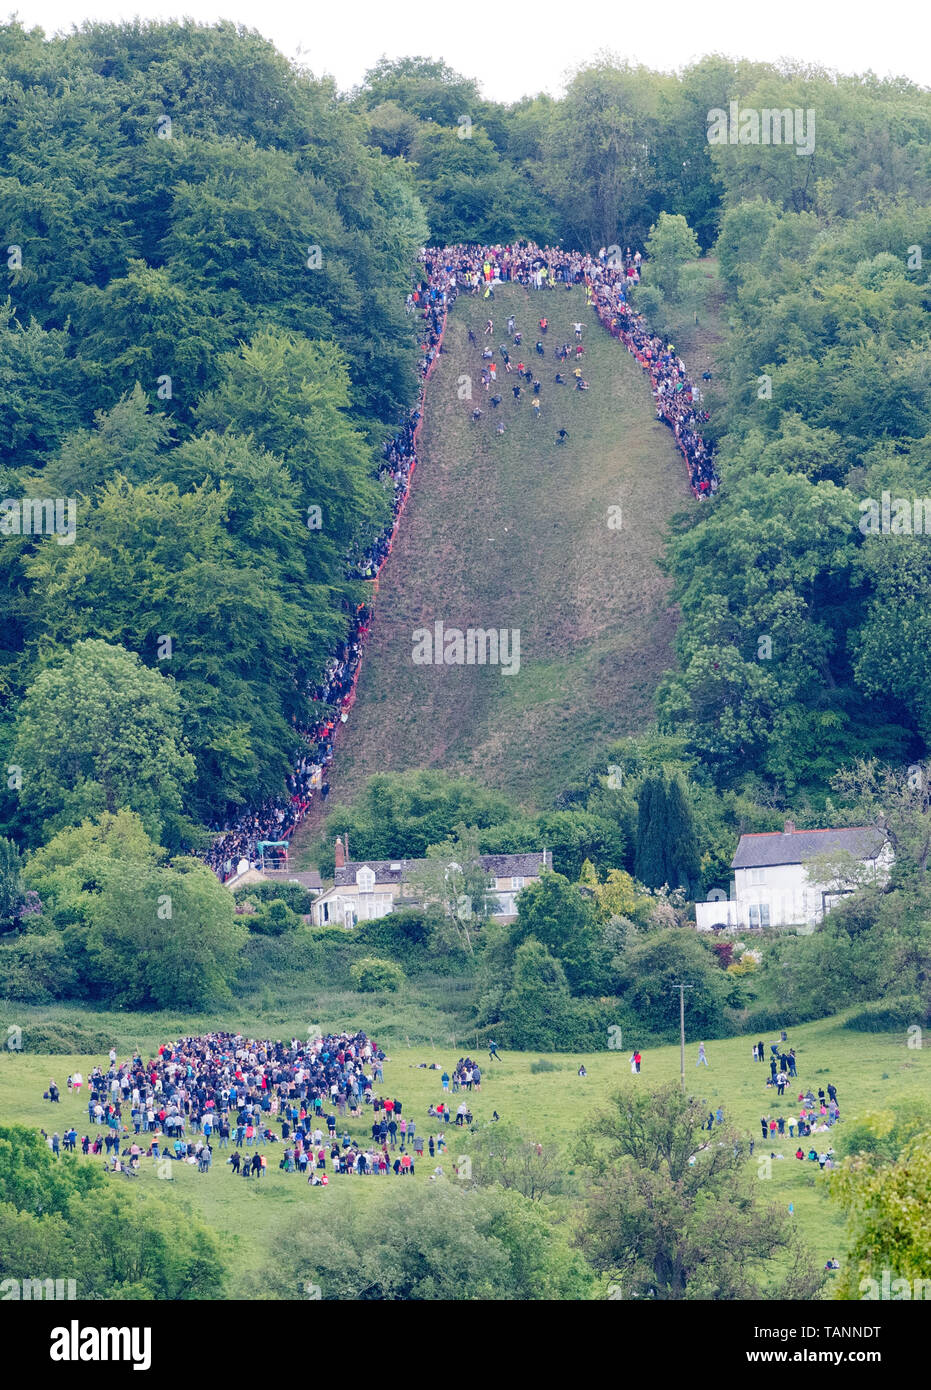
(869, 1070)
(511, 531)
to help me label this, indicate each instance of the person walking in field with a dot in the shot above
(701, 1055)
(493, 1050)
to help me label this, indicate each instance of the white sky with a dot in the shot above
(523, 47)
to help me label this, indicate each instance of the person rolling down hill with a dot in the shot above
(536, 409)
(496, 401)
(560, 379)
(476, 414)
(540, 349)
(517, 393)
(562, 436)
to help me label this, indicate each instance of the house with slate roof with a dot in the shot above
(773, 887)
(366, 889)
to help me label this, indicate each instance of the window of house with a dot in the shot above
(517, 884)
(757, 875)
(365, 878)
(759, 915)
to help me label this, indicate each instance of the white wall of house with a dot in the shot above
(778, 895)
(347, 905)
(341, 905)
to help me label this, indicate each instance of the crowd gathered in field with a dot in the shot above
(809, 1112)
(201, 1095)
(289, 1101)
(447, 272)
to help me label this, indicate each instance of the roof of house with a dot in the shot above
(798, 846)
(396, 870)
(307, 878)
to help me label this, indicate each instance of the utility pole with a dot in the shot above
(682, 988)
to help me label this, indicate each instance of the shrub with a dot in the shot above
(724, 951)
(401, 935)
(543, 1064)
(375, 976)
(889, 1015)
(765, 1017)
(274, 919)
(298, 898)
(65, 1039)
(35, 969)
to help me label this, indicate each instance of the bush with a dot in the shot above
(375, 976)
(403, 936)
(889, 1015)
(274, 919)
(35, 969)
(298, 898)
(649, 301)
(543, 1064)
(64, 1039)
(766, 1017)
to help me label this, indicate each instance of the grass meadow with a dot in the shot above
(253, 1218)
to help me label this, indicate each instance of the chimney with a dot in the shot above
(339, 857)
(789, 827)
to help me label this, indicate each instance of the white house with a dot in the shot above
(771, 885)
(364, 890)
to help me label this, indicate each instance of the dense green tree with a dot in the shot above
(166, 939)
(428, 88)
(97, 731)
(670, 245)
(399, 815)
(667, 849)
(446, 1241)
(887, 1213)
(504, 1155)
(78, 861)
(649, 971)
(39, 402)
(537, 1008)
(672, 1213)
(12, 892)
(555, 913)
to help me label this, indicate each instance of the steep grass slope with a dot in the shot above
(512, 531)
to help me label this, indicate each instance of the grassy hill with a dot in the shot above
(511, 531)
(869, 1070)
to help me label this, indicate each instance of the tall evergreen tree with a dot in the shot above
(649, 863)
(667, 847)
(681, 841)
(11, 885)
